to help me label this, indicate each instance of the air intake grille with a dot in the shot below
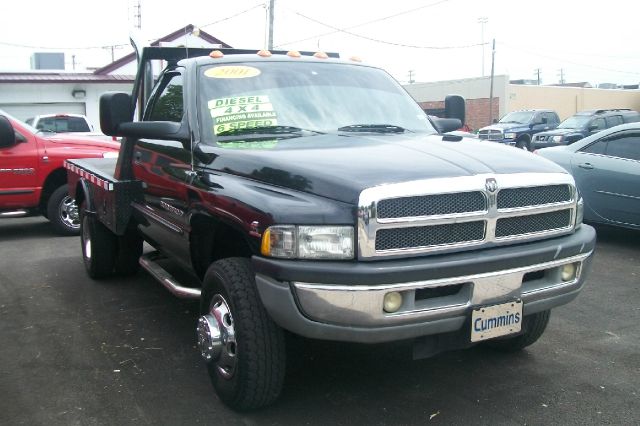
(530, 224)
(533, 196)
(427, 236)
(431, 205)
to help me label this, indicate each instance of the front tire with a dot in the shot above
(244, 348)
(534, 326)
(523, 143)
(62, 211)
(99, 247)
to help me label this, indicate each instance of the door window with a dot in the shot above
(614, 120)
(598, 147)
(625, 146)
(597, 125)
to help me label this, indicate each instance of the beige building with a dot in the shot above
(508, 97)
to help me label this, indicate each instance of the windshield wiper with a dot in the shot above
(377, 128)
(268, 130)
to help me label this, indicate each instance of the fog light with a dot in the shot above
(568, 272)
(392, 301)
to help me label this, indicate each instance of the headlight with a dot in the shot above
(510, 135)
(308, 242)
(110, 154)
(556, 138)
(579, 211)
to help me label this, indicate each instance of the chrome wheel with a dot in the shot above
(68, 213)
(217, 337)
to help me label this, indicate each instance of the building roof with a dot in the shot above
(169, 37)
(101, 75)
(62, 77)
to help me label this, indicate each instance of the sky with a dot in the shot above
(426, 40)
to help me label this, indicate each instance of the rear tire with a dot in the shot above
(248, 372)
(99, 247)
(534, 326)
(62, 211)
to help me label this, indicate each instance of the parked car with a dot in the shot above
(583, 124)
(60, 123)
(517, 127)
(606, 167)
(32, 175)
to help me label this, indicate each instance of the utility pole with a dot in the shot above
(271, 6)
(482, 20)
(73, 62)
(493, 61)
(411, 80)
(561, 75)
(137, 15)
(537, 72)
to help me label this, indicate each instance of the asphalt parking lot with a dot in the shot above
(118, 352)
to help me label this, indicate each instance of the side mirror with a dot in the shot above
(592, 127)
(7, 134)
(445, 125)
(495, 120)
(161, 130)
(543, 120)
(454, 108)
(115, 109)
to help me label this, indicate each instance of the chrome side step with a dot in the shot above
(15, 213)
(148, 262)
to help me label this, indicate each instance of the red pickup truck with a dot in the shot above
(32, 175)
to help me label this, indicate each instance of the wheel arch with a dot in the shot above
(54, 180)
(212, 239)
(83, 194)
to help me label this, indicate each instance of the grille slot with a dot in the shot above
(434, 292)
(431, 205)
(533, 196)
(492, 135)
(530, 224)
(428, 236)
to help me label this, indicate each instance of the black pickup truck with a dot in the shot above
(311, 196)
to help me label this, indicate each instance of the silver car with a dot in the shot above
(606, 167)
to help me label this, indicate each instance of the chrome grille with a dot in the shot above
(510, 198)
(542, 138)
(492, 135)
(429, 236)
(431, 205)
(531, 224)
(440, 214)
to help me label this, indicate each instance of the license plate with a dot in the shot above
(497, 320)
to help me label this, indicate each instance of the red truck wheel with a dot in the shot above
(62, 211)
(243, 347)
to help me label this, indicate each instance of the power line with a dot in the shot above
(563, 60)
(384, 41)
(384, 18)
(261, 4)
(109, 46)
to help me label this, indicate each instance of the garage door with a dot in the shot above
(24, 111)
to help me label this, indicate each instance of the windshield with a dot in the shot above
(522, 117)
(282, 98)
(575, 122)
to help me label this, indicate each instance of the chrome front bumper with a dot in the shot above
(362, 306)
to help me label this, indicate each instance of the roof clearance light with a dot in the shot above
(264, 53)
(294, 54)
(320, 55)
(355, 59)
(215, 54)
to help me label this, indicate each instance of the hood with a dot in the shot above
(557, 131)
(506, 126)
(70, 140)
(340, 167)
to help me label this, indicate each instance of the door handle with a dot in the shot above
(587, 166)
